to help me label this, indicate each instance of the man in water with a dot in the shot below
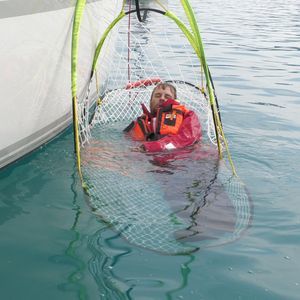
(169, 125)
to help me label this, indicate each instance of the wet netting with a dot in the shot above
(173, 202)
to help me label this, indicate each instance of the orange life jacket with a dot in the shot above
(168, 120)
(139, 129)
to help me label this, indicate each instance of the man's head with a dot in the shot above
(161, 93)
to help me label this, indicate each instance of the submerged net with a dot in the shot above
(131, 191)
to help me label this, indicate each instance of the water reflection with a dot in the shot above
(107, 254)
(108, 257)
(105, 257)
(70, 256)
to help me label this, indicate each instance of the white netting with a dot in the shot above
(124, 189)
(137, 209)
(138, 55)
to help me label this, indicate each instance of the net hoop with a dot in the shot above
(115, 99)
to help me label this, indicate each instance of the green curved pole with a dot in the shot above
(199, 45)
(80, 5)
(200, 53)
(103, 38)
(197, 37)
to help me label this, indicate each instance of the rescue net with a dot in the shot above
(137, 64)
(129, 190)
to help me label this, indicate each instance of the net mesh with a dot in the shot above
(138, 56)
(124, 191)
(136, 208)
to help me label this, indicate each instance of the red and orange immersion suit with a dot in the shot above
(174, 127)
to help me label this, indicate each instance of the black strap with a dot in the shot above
(217, 104)
(138, 12)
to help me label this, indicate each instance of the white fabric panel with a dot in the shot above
(35, 81)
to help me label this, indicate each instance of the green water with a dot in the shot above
(53, 247)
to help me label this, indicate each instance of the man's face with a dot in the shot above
(159, 96)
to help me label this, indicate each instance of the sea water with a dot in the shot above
(53, 247)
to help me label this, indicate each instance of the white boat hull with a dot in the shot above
(35, 85)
